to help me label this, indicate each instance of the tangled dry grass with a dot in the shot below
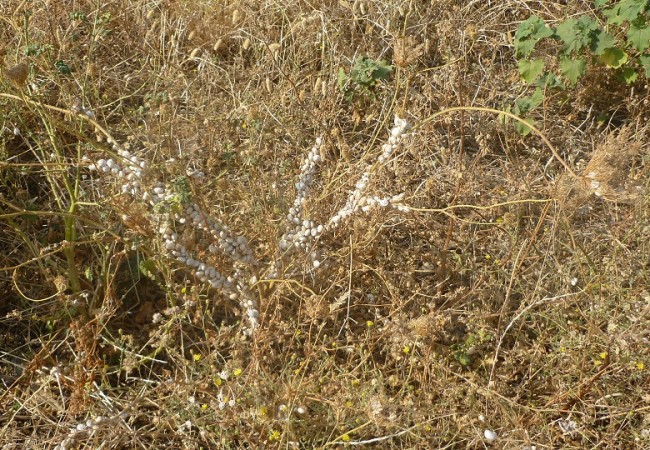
(507, 307)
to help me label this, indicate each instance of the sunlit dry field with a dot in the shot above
(296, 225)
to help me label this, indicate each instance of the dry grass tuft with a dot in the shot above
(613, 172)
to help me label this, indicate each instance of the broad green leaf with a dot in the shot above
(600, 3)
(613, 57)
(526, 104)
(639, 36)
(572, 69)
(522, 128)
(382, 70)
(629, 75)
(576, 34)
(530, 70)
(645, 63)
(537, 97)
(529, 32)
(601, 40)
(549, 80)
(366, 71)
(625, 10)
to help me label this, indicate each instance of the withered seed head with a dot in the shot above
(17, 74)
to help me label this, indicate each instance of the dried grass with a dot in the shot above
(420, 330)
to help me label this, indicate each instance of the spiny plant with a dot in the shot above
(618, 42)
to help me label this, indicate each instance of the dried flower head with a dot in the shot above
(17, 74)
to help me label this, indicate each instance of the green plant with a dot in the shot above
(620, 44)
(364, 76)
(463, 352)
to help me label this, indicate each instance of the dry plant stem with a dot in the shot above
(543, 301)
(349, 292)
(375, 440)
(446, 209)
(537, 131)
(93, 122)
(72, 272)
(515, 270)
(586, 386)
(70, 218)
(21, 212)
(337, 439)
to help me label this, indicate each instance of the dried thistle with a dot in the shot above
(607, 174)
(406, 51)
(17, 74)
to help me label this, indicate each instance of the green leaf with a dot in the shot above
(530, 69)
(613, 57)
(602, 40)
(537, 97)
(364, 75)
(645, 63)
(463, 358)
(524, 128)
(549, 81)
(529, 33)
(639, 36)
(148, 268)
(526, 104)
(503, 118)
(572, 69)
(576, 34)
(62, 67)
(381, 70)
(625, 10)
(342, 79)
(367, 71)
(600, 3)
(629, 75)
(523, 106)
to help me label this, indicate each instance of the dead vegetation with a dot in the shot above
(513, 298)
